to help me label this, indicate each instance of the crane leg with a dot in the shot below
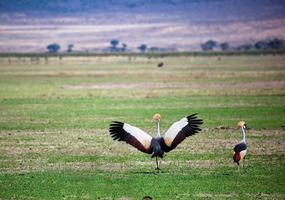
(244, 164)
(157, 168)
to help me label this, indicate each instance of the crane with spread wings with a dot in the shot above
(158, 145)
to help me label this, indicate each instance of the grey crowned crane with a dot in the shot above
(241, 148)
(158, 145)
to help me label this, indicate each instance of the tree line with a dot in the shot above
(210, 45)
(115, 46)
(267, 44)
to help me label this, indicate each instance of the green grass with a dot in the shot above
(218, 183)
(54, 140)
(92, 112)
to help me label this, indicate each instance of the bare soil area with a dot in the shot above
(252, 85)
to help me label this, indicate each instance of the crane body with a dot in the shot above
(158, 145)
(240, 149)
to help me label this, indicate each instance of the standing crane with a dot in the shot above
(158, 145)
(241, 148)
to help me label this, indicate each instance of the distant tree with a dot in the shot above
(114, 44)
(261, 45)
(155, 49)
(70, 48)
(276, 43)
(53, 48)
(225, 46)
(142, 48)
(245, 47)
(209, 45)
(124, 47)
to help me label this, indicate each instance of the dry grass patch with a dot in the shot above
(253, 85)
(27, 150)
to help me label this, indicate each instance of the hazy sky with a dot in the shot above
(30, 25)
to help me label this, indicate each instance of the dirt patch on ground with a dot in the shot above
(252, 85)
(216, 196)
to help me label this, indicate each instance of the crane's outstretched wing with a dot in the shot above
(180, 130)
(132, 135)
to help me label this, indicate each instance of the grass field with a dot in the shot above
(55, 115)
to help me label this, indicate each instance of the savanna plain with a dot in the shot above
(55, 115)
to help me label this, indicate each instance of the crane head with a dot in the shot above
(156, 117)
(242, 124)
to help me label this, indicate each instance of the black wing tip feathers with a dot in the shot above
(116, 130)
(193, 118)
(116, 122)
(193, 126)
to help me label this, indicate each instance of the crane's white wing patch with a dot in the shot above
(181, 129)
(139, 134)
(174, 129)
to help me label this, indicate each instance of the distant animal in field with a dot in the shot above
(241, 148)
(160, 64)
(158, 145)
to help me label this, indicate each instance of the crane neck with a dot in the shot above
(243, 134)
(158, 129)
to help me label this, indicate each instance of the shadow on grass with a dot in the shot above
(153, 172)
(145, 172)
